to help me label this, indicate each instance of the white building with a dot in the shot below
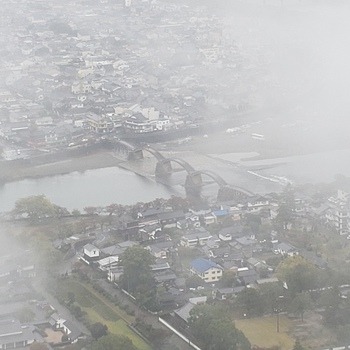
(207, 270)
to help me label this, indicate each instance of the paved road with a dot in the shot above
(61, 310)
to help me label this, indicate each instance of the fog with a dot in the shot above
(306, 47)
(100, 100)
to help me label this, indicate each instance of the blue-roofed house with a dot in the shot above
(219, 215)
(206, 269)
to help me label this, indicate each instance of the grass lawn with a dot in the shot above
(119, 327)
(262, 331)
(99, 309)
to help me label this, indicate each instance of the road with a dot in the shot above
(61, 310)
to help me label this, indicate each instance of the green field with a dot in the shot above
(99, 309)
(119, 327)
(262, 331)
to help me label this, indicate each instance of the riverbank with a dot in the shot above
(13, 171)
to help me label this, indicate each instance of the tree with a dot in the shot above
(299, 274)
(35, 207)
(331, 301)
(137, 275)
(251, 300)
(228, 279)
(297, 345)
(214, 330)
(271, 293)
(59, 211)
(71, 298)
(115, 209)
(45, 253)
(193, 281)
(98, 330)
(301, 303)
(91, 210)
(76, 213)
(286, 209)
(113, 342)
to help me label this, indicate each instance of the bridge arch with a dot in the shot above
(153, 151)
(125, 145)
(164, 166)
(136, 152)
(217, 178)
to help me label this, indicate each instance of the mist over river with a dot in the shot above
(101, 187)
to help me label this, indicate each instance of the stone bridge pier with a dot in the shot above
(194, 184)
(135, 155)
(164, 168)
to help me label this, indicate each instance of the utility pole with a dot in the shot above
(279, 298)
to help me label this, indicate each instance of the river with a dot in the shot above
(102, 187)
(77, 190)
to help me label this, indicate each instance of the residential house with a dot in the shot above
(228, 292)
(206, 269)
(108, 263)
(225, 234)
(209, 219)
(197, 238)
(139, 124)
(256, 203)
(183, 313)
(114, 273)
(338, 212)
(219, 215)
(161, 249)
(72, 332)
(90, 253)
(246, 244)
(285, 249)
(160, 266)
(150, 231)
(170, 219)
(247, 277)
(66, 327)
(193, 221)
(264, 281)
(98, 123)
(56, 321)
(14, 335)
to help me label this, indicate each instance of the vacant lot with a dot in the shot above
(54, 337)
(262, 331)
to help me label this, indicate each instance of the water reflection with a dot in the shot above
(92, 188)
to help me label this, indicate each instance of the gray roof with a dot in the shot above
(75, 332)
(184, 312)
(197, 235)
(90, 247)
(113, 250)
(11, 331)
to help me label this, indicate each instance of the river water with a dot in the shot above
(77, 190)
(102, 187)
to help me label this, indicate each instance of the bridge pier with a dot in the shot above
(193, 184)
(164, 168)
(135, 155)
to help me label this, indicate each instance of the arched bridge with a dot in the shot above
(133, 152)
(164, 166)
(194, 178)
